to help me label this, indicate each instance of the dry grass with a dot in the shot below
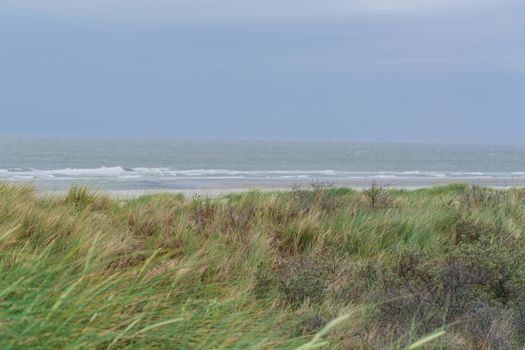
(263, 270)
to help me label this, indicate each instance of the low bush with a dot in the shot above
(477, 288)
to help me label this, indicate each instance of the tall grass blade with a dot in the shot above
(425, 340)
(9, 232)
(316, 340)
(121, 334)
(160, 324)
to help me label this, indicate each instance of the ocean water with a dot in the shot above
(156, 164)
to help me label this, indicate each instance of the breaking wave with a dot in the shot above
(129, 174)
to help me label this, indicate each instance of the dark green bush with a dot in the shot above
(477, 287)
(302, 280)
(306, 278)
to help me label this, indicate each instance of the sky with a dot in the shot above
(354, 70)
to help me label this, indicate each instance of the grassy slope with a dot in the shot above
(262, 270)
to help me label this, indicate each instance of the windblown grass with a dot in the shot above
(336, 268)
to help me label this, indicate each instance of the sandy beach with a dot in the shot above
(218, 188)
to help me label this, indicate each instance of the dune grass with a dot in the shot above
(435, 268)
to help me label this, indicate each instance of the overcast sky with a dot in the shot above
(359, 70)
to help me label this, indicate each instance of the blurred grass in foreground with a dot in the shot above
(330, 268)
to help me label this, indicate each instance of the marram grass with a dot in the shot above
(324, 268)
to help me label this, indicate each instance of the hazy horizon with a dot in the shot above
(255, 140)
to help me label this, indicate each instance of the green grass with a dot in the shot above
(435, 268)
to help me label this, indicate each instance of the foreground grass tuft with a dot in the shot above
(438, 268)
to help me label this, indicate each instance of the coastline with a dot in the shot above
(224, 187)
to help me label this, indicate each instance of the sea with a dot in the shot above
(135, 164)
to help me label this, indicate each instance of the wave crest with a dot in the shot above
(130, 174)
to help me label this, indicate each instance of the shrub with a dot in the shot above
(322, 196)
(471, 282)
(311, 322)
(307, 277)
(302, 280)
(377, 197)
(477, 195)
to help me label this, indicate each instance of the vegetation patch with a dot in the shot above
(440, 268)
